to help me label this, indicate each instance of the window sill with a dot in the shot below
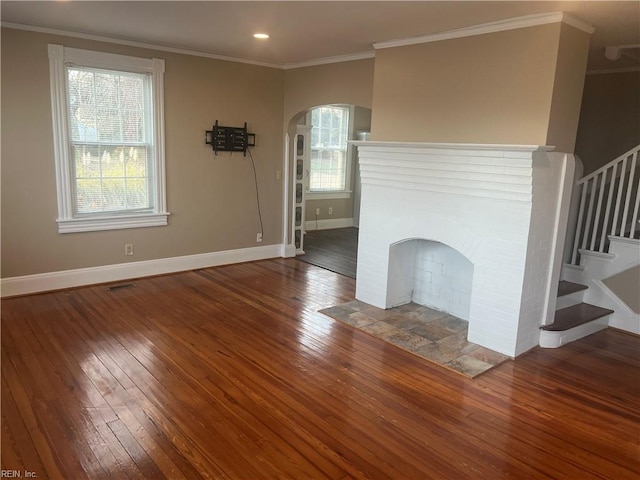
(327, 195)
(116, 222)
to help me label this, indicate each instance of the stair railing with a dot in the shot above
(618, 183)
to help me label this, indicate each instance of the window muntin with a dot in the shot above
(329, 160)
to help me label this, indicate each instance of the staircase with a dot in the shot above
(574, 318)
(606, 243)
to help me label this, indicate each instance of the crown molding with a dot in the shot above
(502, 25)
(184, 51)
(491, 27)
(132, 43)
(327, 60)
(577, 23)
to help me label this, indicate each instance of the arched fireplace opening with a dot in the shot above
(432, 274)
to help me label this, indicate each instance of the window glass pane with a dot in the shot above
(108, 125)
(106, 106)
(81, 105)
(106, 86)
(88, 197)
(132, 126)
(132, 106)
(87, 161)
(136, 161)
(328, 148)
(332, 139)
(112, 162)
(111, 179)
(113, 194)
(137, 193)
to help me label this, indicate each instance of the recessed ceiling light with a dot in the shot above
(261, 35)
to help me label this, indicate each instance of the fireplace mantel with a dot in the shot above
(452, 147)
(479, 170)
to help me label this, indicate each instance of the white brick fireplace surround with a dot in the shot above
(473, 230)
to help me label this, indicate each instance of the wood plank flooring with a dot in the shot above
(335, 250)
(231, 373)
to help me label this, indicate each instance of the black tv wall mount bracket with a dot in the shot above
(230, 139)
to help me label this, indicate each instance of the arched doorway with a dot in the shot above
(311, 207)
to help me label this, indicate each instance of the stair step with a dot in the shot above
(575, 316)
(567, 288)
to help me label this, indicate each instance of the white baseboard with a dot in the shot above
(43, 282)
(328, 224)
(288, 251)
(553, 339)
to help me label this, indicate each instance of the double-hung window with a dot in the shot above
(109, 140)
(329, 165)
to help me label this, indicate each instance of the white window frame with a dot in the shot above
(336, 194)
(59, 58)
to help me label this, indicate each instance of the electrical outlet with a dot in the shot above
(330, 210)
(278, 174)
(258, 237)
(318, 211)
(128, 249)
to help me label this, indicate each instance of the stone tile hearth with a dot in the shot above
(433, 335)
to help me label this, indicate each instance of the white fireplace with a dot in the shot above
(473, 230)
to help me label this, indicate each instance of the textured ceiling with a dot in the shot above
(309, 30)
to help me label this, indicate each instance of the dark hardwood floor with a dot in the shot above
(230, 372)
(335, 250)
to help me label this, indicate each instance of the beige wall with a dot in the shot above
(211, 199)
(571, 66)
(492, 88)
(609, 119)
(350, 83)
(342, 208)
(625, 286)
